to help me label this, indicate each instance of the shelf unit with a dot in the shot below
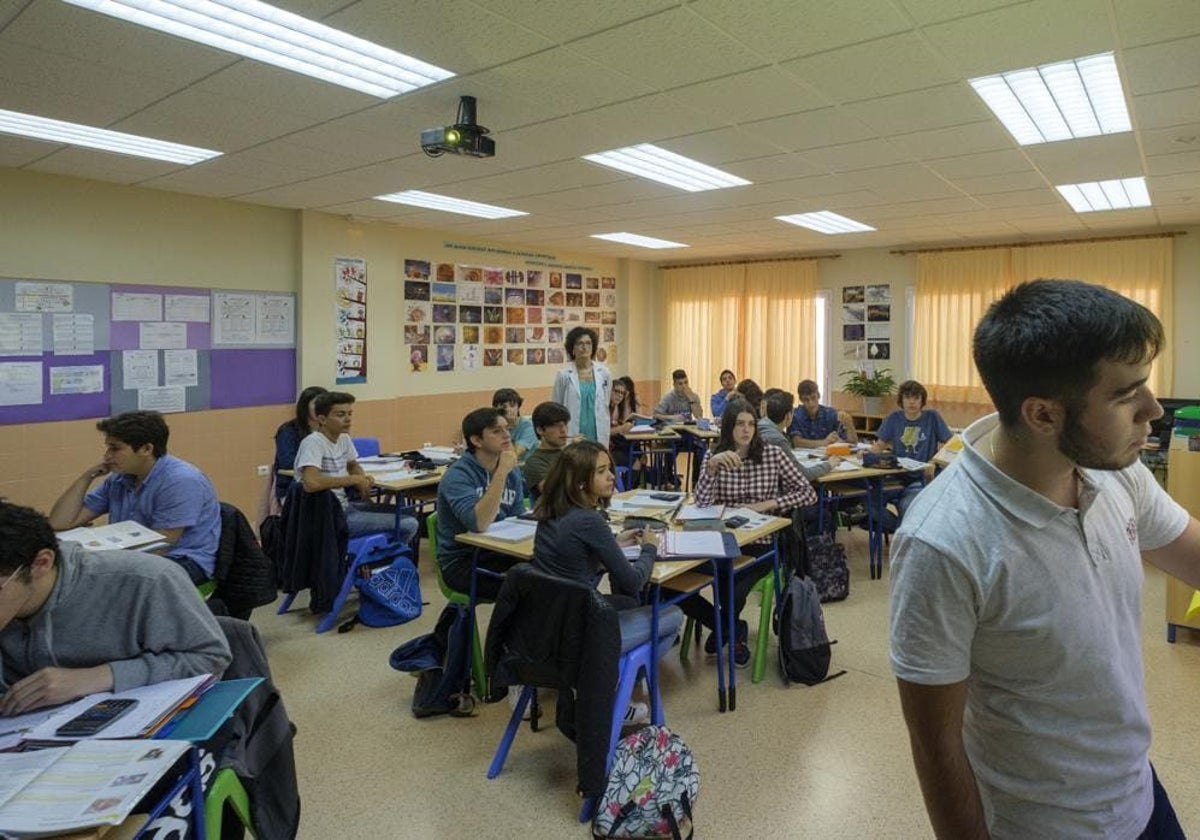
(1183, 483)
(867, 425)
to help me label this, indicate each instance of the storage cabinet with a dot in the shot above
(867, 424)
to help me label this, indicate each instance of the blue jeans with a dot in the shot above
(635, 627)
(1163, 825)
(362, 521)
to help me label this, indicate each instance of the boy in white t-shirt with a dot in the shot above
(327, 460)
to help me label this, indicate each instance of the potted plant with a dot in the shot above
(871, 387)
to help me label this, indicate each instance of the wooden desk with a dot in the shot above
(873, 478)
(1183, 483)
(662, 443)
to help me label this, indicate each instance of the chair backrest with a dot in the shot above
(366, 446)
(431, 523)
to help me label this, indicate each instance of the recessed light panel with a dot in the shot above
(1117, 194)
(273, 36)
(825, 222)
(446, 204)
(649, 161)
(1059, 101)
(74, 134)
(640, 241)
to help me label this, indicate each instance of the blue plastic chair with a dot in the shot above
(366, 447)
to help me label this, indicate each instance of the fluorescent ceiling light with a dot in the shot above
(640, 241)
(1060, 101)
(265, 33)
(450, 205)
(73, 134)
(649, 161)
(1118, 194)
(825, 222)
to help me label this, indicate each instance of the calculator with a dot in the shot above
(94, 719)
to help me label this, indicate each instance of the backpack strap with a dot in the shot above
(668, 813)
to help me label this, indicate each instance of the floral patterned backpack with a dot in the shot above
(652, 788)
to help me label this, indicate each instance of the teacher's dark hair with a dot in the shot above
(577, 333)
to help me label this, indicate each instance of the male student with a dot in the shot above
(771, 429)
(1016, 604)
(520, 429)
(75, 622)
(814, 425)
(550, 421)
(150, 487)
(911, 431)
(327, 460)
(680, 403)
(482, 486)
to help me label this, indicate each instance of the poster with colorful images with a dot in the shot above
(350, 283)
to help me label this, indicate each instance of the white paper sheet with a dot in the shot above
(233, 318)
(275, 319)
(693, 544)
(154, 701)
(44, 297)
(164, 400)
(911, 464)
(141, 306)
(76, 379)
(74, 335)
(692, 512)
(15, 729)
(180, 367)
(192, 308)
(139, 369)
(511, 530)
(21, 383)
(162, 335)
(20, 334)
(116, 535)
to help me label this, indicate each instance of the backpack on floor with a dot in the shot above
(391, 595)
(804, 647)
(652, 788)
(441, 661)
(827, 568)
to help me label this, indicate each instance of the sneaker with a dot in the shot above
(710, 644)
(638, 714)
(741, 655)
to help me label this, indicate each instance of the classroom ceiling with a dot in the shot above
(860, 107)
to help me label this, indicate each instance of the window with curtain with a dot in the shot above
(955, 288)
(757, 319)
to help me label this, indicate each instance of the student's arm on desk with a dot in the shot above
(934, 716)
(1180, 558)
(68, 512)
(314, 480)
(52, 686)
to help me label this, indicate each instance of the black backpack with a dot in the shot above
(442, 664)
(827, 568)
(804, 647)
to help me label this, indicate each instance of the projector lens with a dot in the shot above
(452, 136)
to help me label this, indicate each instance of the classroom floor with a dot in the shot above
(830, 761)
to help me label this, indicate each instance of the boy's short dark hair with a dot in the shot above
(476, 422)
(1044, 338)
(779, 405)
(324, 403)
(753, 394)
(677, 374)
(506, 395)
(547, 414)
(807, 388)
(911, 388)
(137, 428)
(23, 533)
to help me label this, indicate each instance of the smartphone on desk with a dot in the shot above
(736, 521)
(96, 718)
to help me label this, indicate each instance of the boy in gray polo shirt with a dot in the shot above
(1017, 581)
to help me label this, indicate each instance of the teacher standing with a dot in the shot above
(584, 387)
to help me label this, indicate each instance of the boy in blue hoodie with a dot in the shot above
(482, 486)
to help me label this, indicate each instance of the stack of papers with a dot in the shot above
(641, 429)
(511, 530)
(689, 513)
(653, 499)
(694, 544)
(439, 454)
(847, 466)
(911, 464)
(127, 534)
(155, 704)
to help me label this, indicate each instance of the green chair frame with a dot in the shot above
(226, 788)
(461, 598)
(765, 587)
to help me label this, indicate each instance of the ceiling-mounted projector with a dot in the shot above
(465, 137)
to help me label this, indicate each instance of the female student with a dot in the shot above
(584, 386)
(289, 435)
(622, 406)
(742, 471)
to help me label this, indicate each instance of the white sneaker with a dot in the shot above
(637, 714)
(514, 694)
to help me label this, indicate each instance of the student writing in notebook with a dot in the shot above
(75, 622)
(743, 471)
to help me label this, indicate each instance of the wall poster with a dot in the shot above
(350, 277)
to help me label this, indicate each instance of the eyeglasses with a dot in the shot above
(9, 579)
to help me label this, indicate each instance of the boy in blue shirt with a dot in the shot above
(481, 487)
(814, 425)
(150, 487)
(520, 429)
(912, 431)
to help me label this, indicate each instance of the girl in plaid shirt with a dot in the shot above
(743, 471)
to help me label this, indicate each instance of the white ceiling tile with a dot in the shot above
(1161, 110)
(32, 99)
(1009, 182)
(772, 167)
(1173, 164)
(1023, 35)
(873, 69)
(1116, 219)
(563, 22)
(672, 48)
(314, 99)
(533, 181)
(1160, 67)
(848, 157)
(562, 82)
(211, 122)
(921, 110)
(1181, 181)
(904, 182)
(16, 152)
(1169, 141)
(985, 163)
(1021, 199)
(1089, 159)
(720, 147)
(812, 129)
(782, 29)
(1166, 19)
(754, 95)
(648, 119)
(983, 136)
(925, 12)
(103, 166)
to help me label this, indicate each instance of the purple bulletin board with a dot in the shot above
(252, 377)
(61, 406)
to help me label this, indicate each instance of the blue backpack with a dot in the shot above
(391, 595)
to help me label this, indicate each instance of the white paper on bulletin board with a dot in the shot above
(139, 369)
(74, 335)
(76, 379)
(275, 319)
(21, 383)
(180, 367)
(165, 400)
(44, 297)
(131, 306)
(233, 318)
(187, 308)
(20, 334)
(162, 335)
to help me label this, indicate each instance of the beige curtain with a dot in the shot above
(755, 319)
(955, 288)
